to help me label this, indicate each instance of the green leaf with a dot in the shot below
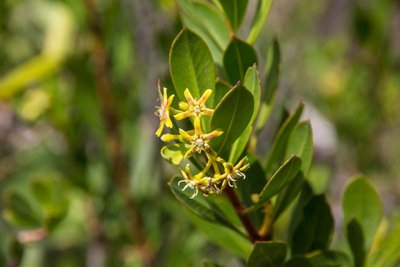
(191, 65)
(234, 10)
(238, 57)
(280, 143)
(301, 144)
(361, 201)
(251, 83)
(267, 254)
(299, 261)
(221, 89)
(288, 195)
(273, 69)
(279, 180)
(226, 238)
(19, 212)
(173, 153)
(232, 116)
(316, 229)
(329, 259)
(213, 30)
(355, 237)
(260, 17)
(198, 207)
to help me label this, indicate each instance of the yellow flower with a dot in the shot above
(195, 108)
(163, 110)
(199, 140)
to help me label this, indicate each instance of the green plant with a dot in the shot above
(263, 203)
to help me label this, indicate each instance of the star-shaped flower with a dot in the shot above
(232, 173)
(199, 140)
(163, 110)
(194, 107)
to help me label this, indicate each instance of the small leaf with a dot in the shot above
(361, 201)
(316, 229)
(355, 237)
(191, 65)
(267, 254)
(329, 258)
(281, 140)
(238, 57)
(232, 116)
(201, 209)
(288, 194)
(173, 153)
(273, 70)
(260, 17)
(234, 10)
(279, 180)
(213, 30)
(301, 144)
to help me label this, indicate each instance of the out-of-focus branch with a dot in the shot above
(119, 168)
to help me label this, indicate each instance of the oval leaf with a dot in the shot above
(355, 237)
(191, 65)
(361, 201)
(301, 144)
(273, 69)
(279, 180)
(232, 116)
(267, 254)
(280, 143)
(213, 30)
(238, 57)
(315, 230)
(234, 10)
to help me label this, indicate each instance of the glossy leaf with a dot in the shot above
(361, 201)
(273, 70)
(232, 116)
(280, 143)
(173, 153)
(238, 57)
(329, 259)
(267, 254)
(288, 195)
(234, 10)
(221, 89)
(260, 17)
(355, 237)
(251, 83)
(199, 208)
(316, 229)
(301, 144)
(213, 30)
(223, 237)
(279, 180)
(191, 65)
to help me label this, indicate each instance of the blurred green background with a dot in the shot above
(81, 179)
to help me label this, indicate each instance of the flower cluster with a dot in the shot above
(216, 173)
